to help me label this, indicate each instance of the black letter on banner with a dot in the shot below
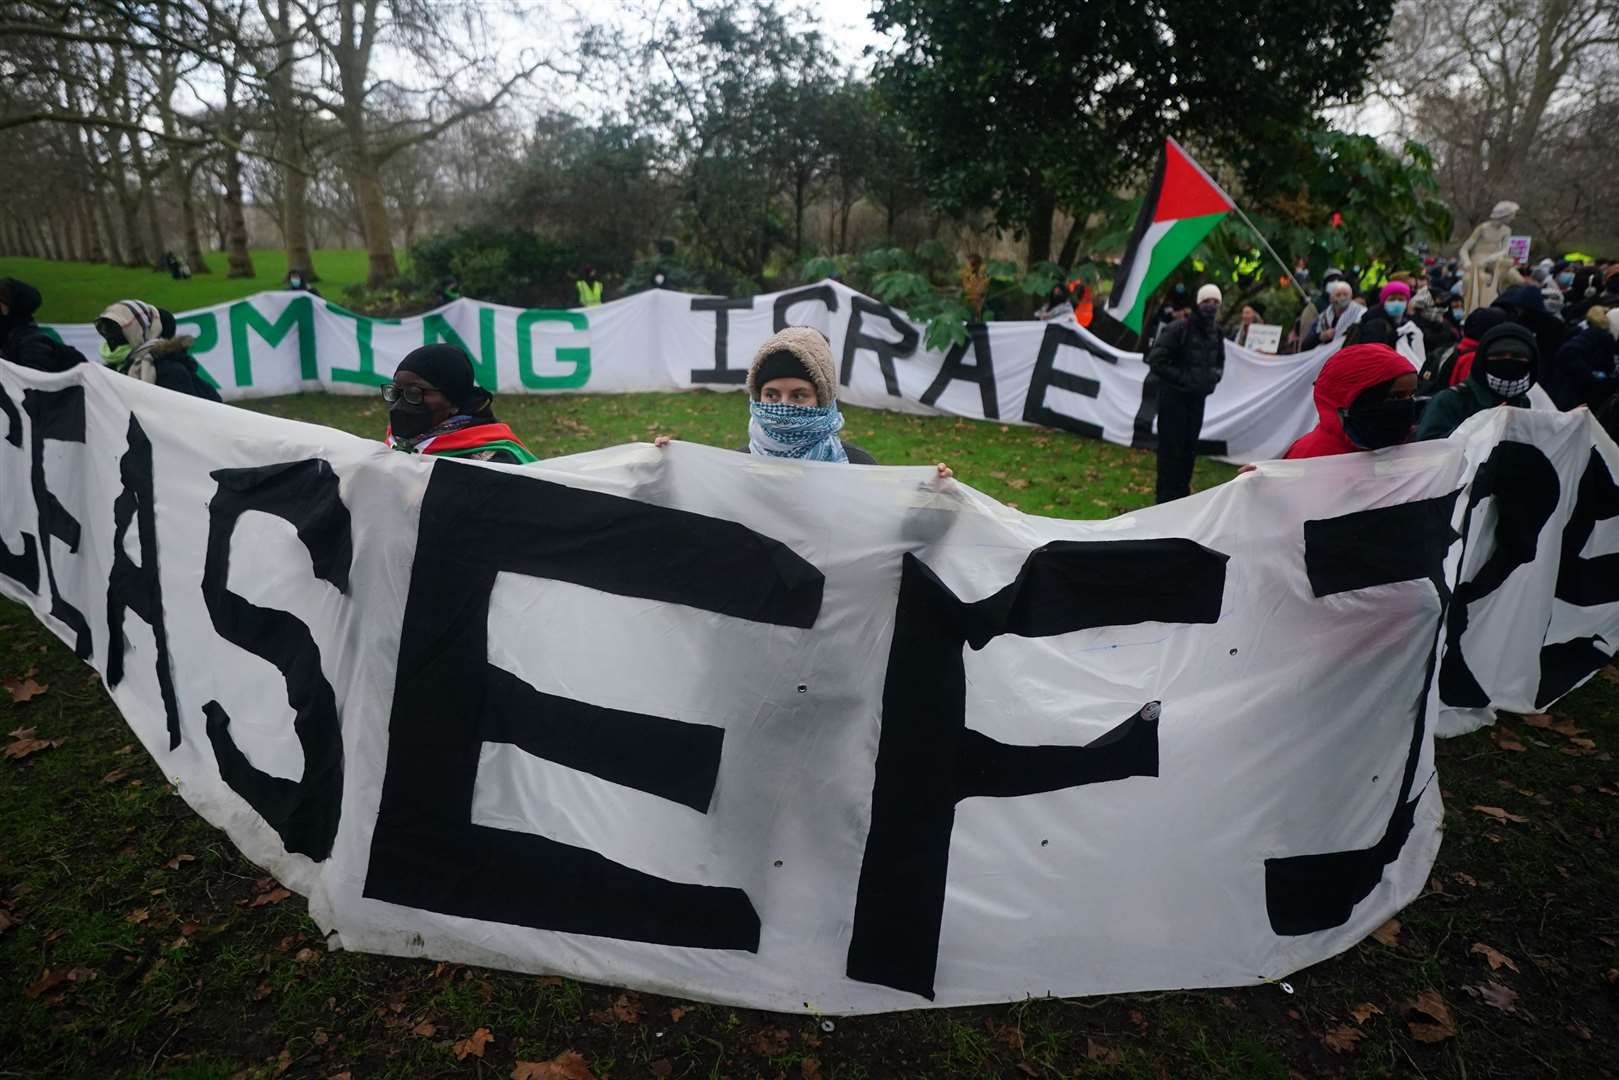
(1385, 546)
(722, 308)
(138, 588)
(826, 294)
(22, 568)
(928, 760)
(58, 415)
(304, 813)
(1526, 492)
(981, 371)
(855, 338)
(1582, 582)
(1046, 375)
(449, 700)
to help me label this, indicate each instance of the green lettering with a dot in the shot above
(207, 336)
(485, 369)
(578, 357)
(299, 315)
(366, 373)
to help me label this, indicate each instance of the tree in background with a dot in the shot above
(1034, 106)
(1517, 101)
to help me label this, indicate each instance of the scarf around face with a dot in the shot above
(796, 431)
(410, 443)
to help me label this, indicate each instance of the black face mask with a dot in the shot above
(408, 421)
(1385, 423)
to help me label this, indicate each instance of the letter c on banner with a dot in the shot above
(304, 813)
(21, 567)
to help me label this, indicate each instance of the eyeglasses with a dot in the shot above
(392, 392)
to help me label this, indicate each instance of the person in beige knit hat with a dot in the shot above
(793, 408)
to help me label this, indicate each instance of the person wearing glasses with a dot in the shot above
(436, 407)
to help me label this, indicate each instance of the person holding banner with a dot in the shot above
(1365, 397)
(435, 406)
(1502, 372)
(1187, 360)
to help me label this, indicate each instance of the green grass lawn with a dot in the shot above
(136, 942)
(78, 292)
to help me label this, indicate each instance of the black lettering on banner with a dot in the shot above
(721, 372)
(1583, 582)
(824, 294)
(981, 372)
(304, 812)
(21, 567)
(138, 589)
(1384, 546)
(928, 760)
(855, 339)
(57, 415)
(1047, 375)
(1526, 491)
(449, 700)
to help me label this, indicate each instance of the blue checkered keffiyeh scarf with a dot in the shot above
(796, 431)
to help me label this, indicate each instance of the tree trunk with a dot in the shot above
(93, 249)
(378, 232)
(1070, 245)
(1039, 227)
(115, 248)
(239, 263)
(154, 225)
(183, 179)
(129, 205)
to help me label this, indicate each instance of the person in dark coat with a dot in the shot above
(1525, 306)
(436, 407)
(1187, 361)
(1476, 325)
(1503, 371)
(22, 340)
(1582, 372)
(140, 341)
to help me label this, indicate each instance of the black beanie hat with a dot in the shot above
(1504, 334)
(781, 364)
(449, 369)
(1482, 321)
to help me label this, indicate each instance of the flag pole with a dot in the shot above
(1291, 275)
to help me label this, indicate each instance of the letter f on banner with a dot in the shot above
(928, 760)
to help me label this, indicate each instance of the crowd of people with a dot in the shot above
(1414, 364)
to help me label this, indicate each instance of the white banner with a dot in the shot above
(1054, 374)
(802, 736)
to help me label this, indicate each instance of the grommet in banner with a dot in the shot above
(802, 689)
(826, 1026)
(1043, 843)
(1233, 652)
(777, 863)
(1287, 987)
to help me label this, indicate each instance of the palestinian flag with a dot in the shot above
(1181, 206)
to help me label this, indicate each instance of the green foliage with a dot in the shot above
(505, 266)
(1022, 108)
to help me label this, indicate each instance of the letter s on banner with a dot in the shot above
(304, 813)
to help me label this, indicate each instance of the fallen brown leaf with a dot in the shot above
(810, 1069)
(1095, 1051)
(425, 1029)
(25, 744)
(263, 991)
(676, 1013)
(1429, 1018)
(274, 896)
(1496, 996)
(1464, 879)
(1506, 740)
(1501, 815)
(24, 689)
(1364, 1012)
(283, 1062)
(662, 1067)
(115, 776)
(1342, 1039)
(1539, 720)
(567, 1065)
(174, 863)
(1497, 960)
(138, 916)
(45, 982)
(1388, 933)
(1579, 1031)
(341, 1076)
(771, 1042)
(473, 1044)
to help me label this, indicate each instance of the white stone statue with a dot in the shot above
(1484, 259)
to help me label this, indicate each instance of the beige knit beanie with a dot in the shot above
(807, 346)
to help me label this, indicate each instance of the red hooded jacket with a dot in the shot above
(1349, 371)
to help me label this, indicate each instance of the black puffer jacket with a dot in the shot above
(173, 367)
(23, 341)
(1189, 355)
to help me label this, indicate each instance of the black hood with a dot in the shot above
(22, 298)
(1494, 339)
